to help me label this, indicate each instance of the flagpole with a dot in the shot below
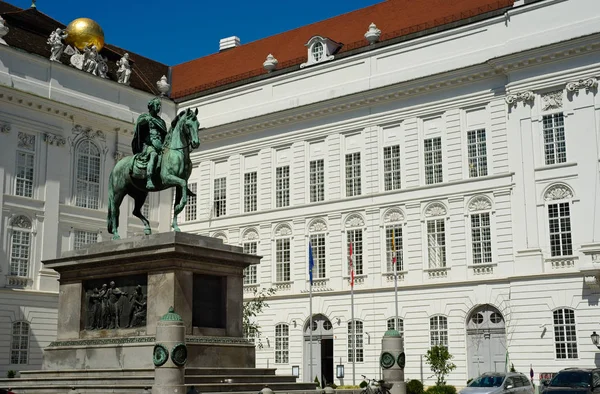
(352, 317)
(311, 264)
(395, 262)
(311, 330)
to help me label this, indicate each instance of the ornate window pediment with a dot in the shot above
(435, 209)
(480, 203)
(354, 220)
(317, 226)
(393, 215)
(221, 235)
(320, 49)
(250, 235)
(283, 230)
(21, 221)
(558, 192)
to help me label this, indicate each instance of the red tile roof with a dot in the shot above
(394, 18)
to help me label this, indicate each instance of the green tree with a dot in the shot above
(438, 358)
(252, 308)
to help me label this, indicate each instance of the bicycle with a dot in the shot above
(375, 386)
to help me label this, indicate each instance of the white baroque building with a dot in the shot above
(473, 141)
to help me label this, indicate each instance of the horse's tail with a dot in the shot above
(111, 205)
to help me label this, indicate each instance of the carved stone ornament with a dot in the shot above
(26, 141)
(109, 307)
(480, 204)
(587, 84)
(21, 221)
(3, 31)
(271, 63)
(163, 86)
(87, 132)
(527, 96)
(558, 192)
(283, 230)
(160, 355)
(435, 209)
(251, 235)
(355, 221)
(393, 215)
(54, 139)
(552, 100)
(5, 128)
(317, 226)
(372, 35)
(592, 281)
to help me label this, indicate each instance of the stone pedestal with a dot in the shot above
(393, 360)
(170, 355)
(113, 294)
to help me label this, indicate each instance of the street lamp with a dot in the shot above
(595, 339)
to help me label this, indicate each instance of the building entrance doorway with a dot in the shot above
(322, 350)
(486, 341)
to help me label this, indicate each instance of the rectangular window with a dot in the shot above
(481, 238)
(436, 243)
(317, 242)
(282, 344)
(24, 174)
(83, 238)
(391, 167)
(357, 343)
(19, 254)
(282, 186)
(250, 272)
(476, 146)
(394, 250)
(317, 180)
(20, 343)
(433, 161)
(191, 208)
(355, 237)
(353, 182)
(559, 218)
(565, 333)
(438, 331)
(396, 324)
(555, 148)
(250, 191)
(282, 262)
(220, 197)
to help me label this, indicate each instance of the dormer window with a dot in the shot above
(320, 49)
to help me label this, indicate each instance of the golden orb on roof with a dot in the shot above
(83, 32)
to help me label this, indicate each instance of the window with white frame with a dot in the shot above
(191, 208)
(282, 344)
(220, 197)
(355, 342)
(559, 222)
(83, 238)
(317, 180)
(282, 259)
(565, 333)
(353, 180)
(317, 242)
(354, 237)
(555, 148)
(396, 323)
(477, 150)
(391, 167)
(24, 174)
(87, 183)
(250, 191)
(433, 160)
(282, 186)
(20, 246)
(250, 247)
(438, 331)
(19, 349)
(393, 247)
(481, 237)
(435, 228)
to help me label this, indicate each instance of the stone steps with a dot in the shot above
(104, 373)
(230, 371)
(202, 379)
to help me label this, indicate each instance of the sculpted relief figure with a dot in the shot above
(124, 71)
(90, 59)
(56, 44)
(115, 304)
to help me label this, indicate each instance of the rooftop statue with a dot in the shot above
(161, 161)
(56, 44)
(124, 71)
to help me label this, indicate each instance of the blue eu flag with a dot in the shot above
(311, 263)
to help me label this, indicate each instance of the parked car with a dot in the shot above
(3, 391)
(574, 381)
(499, 383)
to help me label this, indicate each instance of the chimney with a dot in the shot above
(228, 43)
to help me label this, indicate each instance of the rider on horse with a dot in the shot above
(150, 132)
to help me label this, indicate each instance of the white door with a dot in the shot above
(486, 339)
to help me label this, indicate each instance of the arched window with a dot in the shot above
(565, 333)
(435, 215)
(283, 253)
(438, 330)
(356, 345)
(19, 349)
(250, 245)
(318, 233)
(20, 246)
(558, 200)
(87, 175)
(481, 234)
(396, 323)
(282, 344)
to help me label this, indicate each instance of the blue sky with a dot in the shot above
(176, 31)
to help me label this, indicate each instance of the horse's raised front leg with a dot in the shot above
(175, 204)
